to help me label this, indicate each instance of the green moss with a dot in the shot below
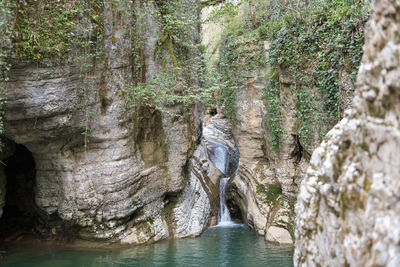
(274, 191)
(43, 30)
(367, 184)
(342, 203)
(260, 189)
(312, 42)
(170, 206)
(270, 192)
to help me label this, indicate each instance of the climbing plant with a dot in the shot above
(54, 33)
(324, 37)
(183, 79)
(6, 22)
(241, 51)
(311, 41)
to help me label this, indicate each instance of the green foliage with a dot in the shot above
(240, 52)
(164, 91)
(45, 29)
(271, 192)
(224, 12)
(311, 43)
(177, 28)
(6, 7)
(325, 37)
(184, 80)
(274, 106)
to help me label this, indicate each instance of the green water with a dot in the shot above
(218, 246)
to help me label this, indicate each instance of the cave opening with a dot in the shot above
(234, 210)
(234, 201)
(20, 213)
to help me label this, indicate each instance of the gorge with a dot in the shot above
(130, 127)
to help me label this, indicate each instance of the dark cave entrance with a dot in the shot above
(234, 210)
(20, 212)
(234, 201)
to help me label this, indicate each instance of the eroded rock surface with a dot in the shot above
(348, 211)
(273, 138)
(131, 177)
(266, 184)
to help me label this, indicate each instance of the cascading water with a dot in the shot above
(224, 217)
(220, 158)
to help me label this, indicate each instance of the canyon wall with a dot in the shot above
(275, 77)
(267, 181)
(116, 159)
(102, 170)
(348, 208)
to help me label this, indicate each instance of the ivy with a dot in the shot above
(6, 12)
(311, 41)
(240, 52)
(314, 50)
(49, 29)
(184, 79)
(164, 91)
(274, 106)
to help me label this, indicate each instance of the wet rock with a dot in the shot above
(278, 235)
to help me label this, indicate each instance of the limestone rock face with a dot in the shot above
(193, 214)
(269, 173)
(266, 183)
(217, 131)
(129, 177)
(348, 211)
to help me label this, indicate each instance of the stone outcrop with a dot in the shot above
(133, 177)
(348, 207)
(265, 189)
(266, 184)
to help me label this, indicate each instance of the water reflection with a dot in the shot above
(218, 246)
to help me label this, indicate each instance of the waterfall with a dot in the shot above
(220, 157)
(223, 217)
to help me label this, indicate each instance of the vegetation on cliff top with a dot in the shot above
(5, 49)
(311, 41)
(51, 33)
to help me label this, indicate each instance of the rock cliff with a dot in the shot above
(348, 208)
(136, 177)
(275, 102)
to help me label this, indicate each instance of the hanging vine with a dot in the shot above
(312, 41)
(6, 23)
